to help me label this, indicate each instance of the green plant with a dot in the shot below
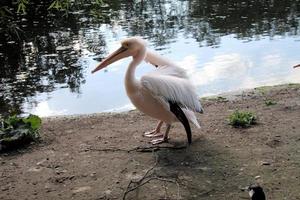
(60, 4)
(242, 119)
(215, 98)
(17, 131)
(270, 102)
(57, 4)
(22, 6)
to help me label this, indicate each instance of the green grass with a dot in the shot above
(269, 102)
(242, 119)
(264, 89)
(215, 98)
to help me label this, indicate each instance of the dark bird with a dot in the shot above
(256, 193)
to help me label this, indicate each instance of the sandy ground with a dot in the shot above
(98, 156)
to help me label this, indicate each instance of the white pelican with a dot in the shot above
(165, 94)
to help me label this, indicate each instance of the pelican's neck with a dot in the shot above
(131, 83)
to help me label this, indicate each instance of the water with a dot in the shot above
(224, 47)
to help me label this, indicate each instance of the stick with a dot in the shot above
(137, 149)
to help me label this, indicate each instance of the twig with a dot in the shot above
(155, 148)
(106, 149)
(139, 182)
(146, 179)
(136, 149)
(207, 192)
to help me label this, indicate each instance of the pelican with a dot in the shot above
(165, 93)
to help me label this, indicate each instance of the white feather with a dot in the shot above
(169, 71)
(158, 60)
(167, 82)
(190, 115)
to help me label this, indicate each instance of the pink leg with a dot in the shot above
(163, 138)
(156, 131)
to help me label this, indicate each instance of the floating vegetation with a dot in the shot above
(16, 132)
(242, 119)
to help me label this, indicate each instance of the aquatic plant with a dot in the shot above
(18, 131)
(242, 119)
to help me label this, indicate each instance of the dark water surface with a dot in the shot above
(46, 56)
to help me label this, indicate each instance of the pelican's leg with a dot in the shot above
(156, 131)
(164, 137)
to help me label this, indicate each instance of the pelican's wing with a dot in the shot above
(169, 71)
(171, 87)
(158, 60)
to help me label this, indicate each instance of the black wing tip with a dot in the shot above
(190, 141)
(178, 112)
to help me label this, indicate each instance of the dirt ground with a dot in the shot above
(102, 156)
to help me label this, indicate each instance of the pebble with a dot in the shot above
(265, 163)
(40, 163)
(4, 188)
(82, 189)
(34, 169)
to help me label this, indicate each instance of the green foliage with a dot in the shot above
(242, 119)
(5, 12)
(17, 131)
(60, 4)
(269, 102)
(215, 98)
(22, 6)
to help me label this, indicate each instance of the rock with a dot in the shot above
(34, 169)
(69, 131)
(257, 177)
(107, 192)
(48, 187)
(40, 163)
(4, 188)
(82, 189)
(265, 163)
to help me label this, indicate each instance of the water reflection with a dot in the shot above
(224, 45)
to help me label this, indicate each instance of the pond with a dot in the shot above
(46, 56)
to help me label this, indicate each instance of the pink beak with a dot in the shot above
(115, 56)
(297, 66)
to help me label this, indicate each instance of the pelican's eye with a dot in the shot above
(125, 45)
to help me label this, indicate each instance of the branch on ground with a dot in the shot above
(134, 185)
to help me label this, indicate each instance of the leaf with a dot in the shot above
(12, 122)
(99, 2)
(52, 5)
(35, 121)
(17, 132)
(21, 7)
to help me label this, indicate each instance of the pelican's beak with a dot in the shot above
(297, 66)
(115, 56)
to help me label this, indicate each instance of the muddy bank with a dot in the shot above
(98, 156)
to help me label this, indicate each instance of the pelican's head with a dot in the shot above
(129, 47)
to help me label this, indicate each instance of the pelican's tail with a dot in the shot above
(190, 115)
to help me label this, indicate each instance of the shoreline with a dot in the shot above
(232, 95)
(98, 156)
